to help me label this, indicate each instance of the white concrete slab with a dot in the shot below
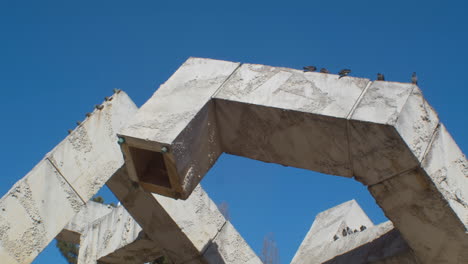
(34, 211)
(423, 216)
(90, 154)
(447, 167)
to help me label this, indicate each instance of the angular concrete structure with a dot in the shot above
(91, 212)
(66, 178)
(116, 238)
(383, 134)
(188, 231)
(344, 234)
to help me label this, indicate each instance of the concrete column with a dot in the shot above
(116, 238)
(38, 206)
(190, 231)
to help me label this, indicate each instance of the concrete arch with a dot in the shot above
(384, 134)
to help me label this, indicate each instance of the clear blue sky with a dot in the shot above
(59, 58)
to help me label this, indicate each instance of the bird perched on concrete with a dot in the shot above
(70, 131)
(88, 114)
(323, 70)
(99, 107)
(414, 78)
(344, 72)
(363, 227)
(380, 77)
(344, 233)
(335, 237)
(78, 123)
(309, 68)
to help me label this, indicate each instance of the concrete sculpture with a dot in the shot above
(383, 134)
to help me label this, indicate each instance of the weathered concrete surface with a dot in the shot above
(283, 115)
(336, 237)
(389, 131)
(37, 207)
(88, 214)
(373, 131)
(426, 219)
(116, 238)
(90, 154)
(180, 117)
(329, 225)
(30, 218)
(188, 231)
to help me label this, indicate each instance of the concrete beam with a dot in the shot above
(345, 234)
(190, 231)
(116, 238)
(376, 132)
(179, 112)
(38, 206)
(88, 214)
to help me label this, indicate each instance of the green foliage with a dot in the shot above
(69, 251)
(160, 260)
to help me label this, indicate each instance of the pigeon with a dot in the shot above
(335, 237)
(70, 131)
(88, 114)
(78, 123)
(414, 78)
(107, 98)
(363, 227)
(99, 107)
(349, 230)
(380, 77)
(344, 73)
(323, 70)
(117, 90)
(309, 68)
(344, 233)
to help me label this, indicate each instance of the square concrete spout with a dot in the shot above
(175, 125)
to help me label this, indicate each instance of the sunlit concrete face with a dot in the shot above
(380, 133)
(39, 205)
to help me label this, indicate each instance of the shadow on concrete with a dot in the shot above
(211, 253)
(385, 249)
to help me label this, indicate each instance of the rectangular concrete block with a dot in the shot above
(447, 167)
(311, 92)
(416, 123)
(382, 102)
(423, 216)
(292, 138)
(198, 216)
(152, 217)
(88, 214)
(185, 229)
(179, 111)
(34, 210)
(90, 154)
(265, 112)
(377, 152)
(116, 231)
(377, 148)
